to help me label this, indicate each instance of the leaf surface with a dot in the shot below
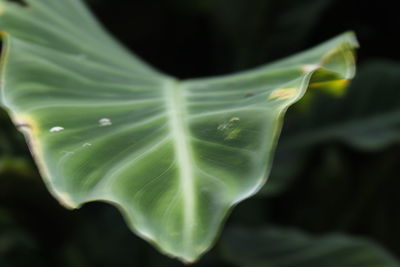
(174, 156)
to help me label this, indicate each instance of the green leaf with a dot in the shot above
(174, 156)
(279, 247)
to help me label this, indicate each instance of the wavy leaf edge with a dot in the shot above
(346, 43)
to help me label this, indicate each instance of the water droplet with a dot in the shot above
(56, 129)
(105, 122)
(233, 134)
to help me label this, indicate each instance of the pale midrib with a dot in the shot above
(177, 113)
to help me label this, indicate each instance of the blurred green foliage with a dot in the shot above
(337, 164)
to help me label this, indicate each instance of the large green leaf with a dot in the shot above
(173, 156)
(279, 247)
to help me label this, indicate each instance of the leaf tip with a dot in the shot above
(189, 260)
(352, 39)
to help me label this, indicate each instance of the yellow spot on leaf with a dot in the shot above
(29, 126)
(233, 134)
(2, 9)
(335, 88)
(233, 119)
(30, 129)
(282, 94)
(230, 129)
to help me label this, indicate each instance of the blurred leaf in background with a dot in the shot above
(277, 247)
(337, 165)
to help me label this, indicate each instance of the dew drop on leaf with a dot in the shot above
(56, 129)
(105, 122)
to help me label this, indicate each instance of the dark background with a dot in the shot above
(337, 167)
